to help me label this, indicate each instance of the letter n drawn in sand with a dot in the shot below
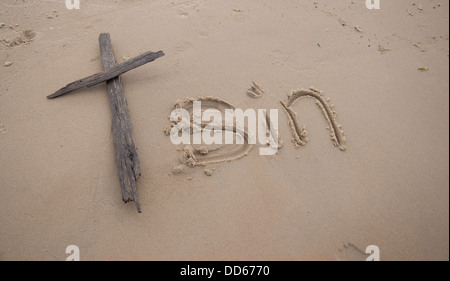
(299, 134)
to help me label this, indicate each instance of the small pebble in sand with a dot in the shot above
(8, 63)
(2, 24)
(208, 172)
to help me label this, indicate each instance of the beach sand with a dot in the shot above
(390, 188)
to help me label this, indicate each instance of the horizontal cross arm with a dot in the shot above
(109, 73)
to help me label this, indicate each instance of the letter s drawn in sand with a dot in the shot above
(200, 155)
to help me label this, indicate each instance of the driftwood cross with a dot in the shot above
(126, 153)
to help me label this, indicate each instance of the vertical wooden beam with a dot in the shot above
(126, 153)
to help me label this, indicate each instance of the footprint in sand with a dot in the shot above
(350, 252)
(14, 38)
(3, 129)
(183, 46)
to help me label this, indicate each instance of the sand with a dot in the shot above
(386, 72)
(255, 91)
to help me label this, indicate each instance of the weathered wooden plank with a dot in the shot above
(109, 73)
(125, 149)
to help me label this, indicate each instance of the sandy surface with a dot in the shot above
(58, 179)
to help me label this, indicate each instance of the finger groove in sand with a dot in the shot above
(202, 156)
(255, 91)
(299, 133)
